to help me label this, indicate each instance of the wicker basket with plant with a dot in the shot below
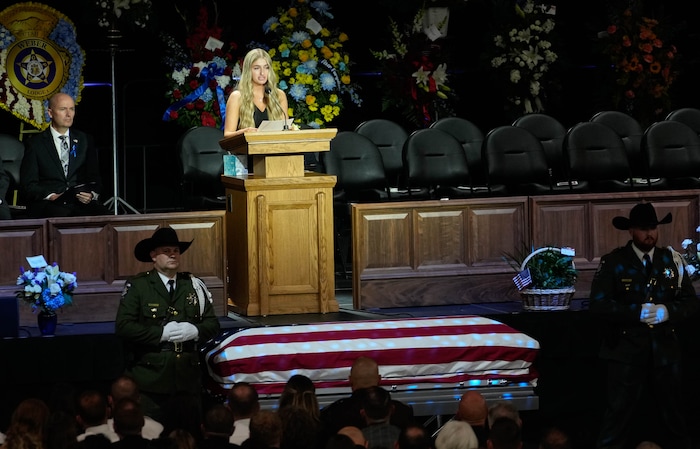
(546, 278)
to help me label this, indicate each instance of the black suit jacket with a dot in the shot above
(618, 291)
(41, 172)
(4, 182)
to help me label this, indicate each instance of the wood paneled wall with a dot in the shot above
(101, 252)
(404, 254)
(451, 252)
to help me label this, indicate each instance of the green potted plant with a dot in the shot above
(546, 278)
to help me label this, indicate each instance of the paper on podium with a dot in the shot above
(275, 125)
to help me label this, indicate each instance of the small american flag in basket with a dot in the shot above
(523, 279)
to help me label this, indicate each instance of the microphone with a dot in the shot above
(284, 113)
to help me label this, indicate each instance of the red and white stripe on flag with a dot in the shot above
(418, 350)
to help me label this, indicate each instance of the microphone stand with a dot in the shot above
(285, 127)
(113, 35)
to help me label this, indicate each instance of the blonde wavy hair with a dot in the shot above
(245, 86)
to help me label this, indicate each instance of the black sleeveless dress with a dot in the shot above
(259, 116)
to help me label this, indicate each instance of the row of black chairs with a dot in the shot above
(453, 158)
(534, 155)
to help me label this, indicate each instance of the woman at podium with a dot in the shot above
(256, 97)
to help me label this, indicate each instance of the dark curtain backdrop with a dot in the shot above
(141, 74)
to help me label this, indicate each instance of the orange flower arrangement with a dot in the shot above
(643, 64)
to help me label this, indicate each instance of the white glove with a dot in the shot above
(661, 313)
(168, 331)
(184, 332)
(653, 313)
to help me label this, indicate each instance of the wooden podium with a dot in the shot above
(279, 225)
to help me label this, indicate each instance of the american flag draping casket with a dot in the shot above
(469, 350)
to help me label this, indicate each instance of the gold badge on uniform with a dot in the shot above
(191, 299)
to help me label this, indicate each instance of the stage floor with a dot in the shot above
(346, 313)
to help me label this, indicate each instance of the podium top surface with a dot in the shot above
(280, 142)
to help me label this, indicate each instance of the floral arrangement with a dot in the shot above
(414, 74)
(133, 12)
(17, 84)
(46, 289)
(312, 65)
(200, 82)
(643, 65)
(690, 256)
(524, 56)
(546, 268)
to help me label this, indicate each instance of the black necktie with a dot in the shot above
(647, 265)
(171, 288)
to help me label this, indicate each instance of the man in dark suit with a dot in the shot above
(641, 292)
(59, 173)
(4, 184)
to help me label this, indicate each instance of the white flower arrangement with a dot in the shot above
(525, 56)
(135, 12)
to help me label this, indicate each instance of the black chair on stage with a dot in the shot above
(688, 116)
(631, 132)
(435, 166)
(471, 138)
(202, 164)
(597, 158)
(550, 132)
(12, 152)
(673, 151)
(356, 162)
(515, 162)
(389, 137)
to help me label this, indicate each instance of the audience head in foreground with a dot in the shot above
(456, 435)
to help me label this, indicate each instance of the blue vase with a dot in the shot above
(47, 322)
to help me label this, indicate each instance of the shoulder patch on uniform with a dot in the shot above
(600, 267)
(127, 286)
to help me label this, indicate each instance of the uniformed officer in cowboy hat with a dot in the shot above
(641, 292)
(162, 317)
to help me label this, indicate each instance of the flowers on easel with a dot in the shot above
(200, 82)
(414, 72)
(643, 63)
(132, 12)
(524, 55)
(311, 62)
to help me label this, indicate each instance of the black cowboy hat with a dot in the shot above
(162, 237)
(642, 215)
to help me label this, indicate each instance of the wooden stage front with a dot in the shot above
(452, 252)
(405, 254)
